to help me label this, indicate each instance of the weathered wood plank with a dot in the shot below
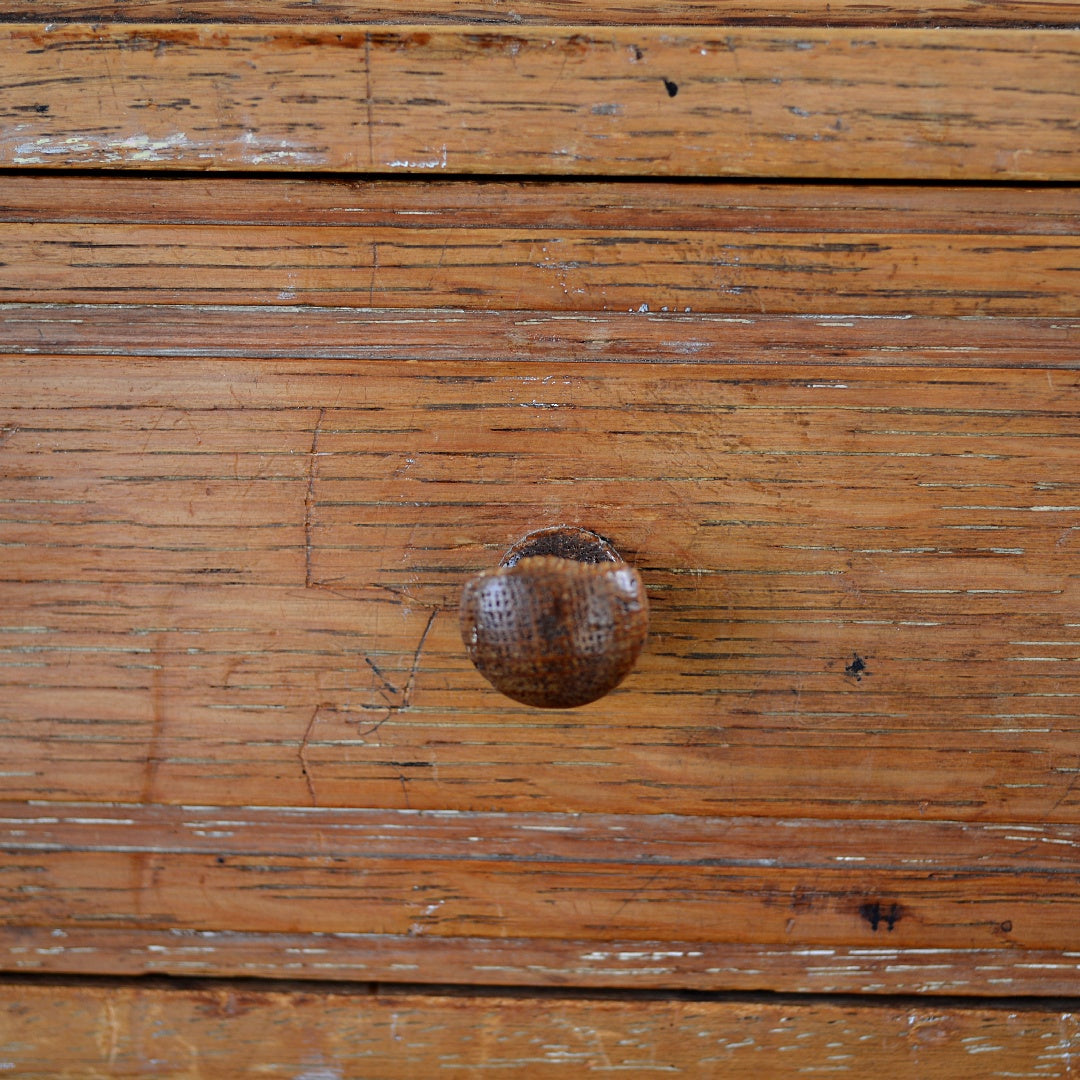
(730, 248)
(228, 1030)
(881, 968)
(544, 12)
(777, 272)
(238, 585)
(688, 206)
(808, 102)
(452, 335)
(772, 881)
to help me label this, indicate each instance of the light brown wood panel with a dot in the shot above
(777, 272)
(478, 205)
(228, 1030)
(543, 12)
(802, 102)
(695, 248)
(772, 881)
(307, 334)
(239, 584)
(878, 969)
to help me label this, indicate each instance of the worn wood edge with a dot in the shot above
(1018, 13)
(614, 964)
(900, 141)
(309, 334)
(443, 878)
(808, 843)
(227, 1029)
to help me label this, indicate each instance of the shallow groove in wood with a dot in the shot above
(483, 203)
(757, 101)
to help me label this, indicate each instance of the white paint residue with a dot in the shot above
(261, 150)
(434, 163)
(322, 1073)
(133, 148)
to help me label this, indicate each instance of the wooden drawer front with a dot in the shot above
(241, 533)
(863, 584)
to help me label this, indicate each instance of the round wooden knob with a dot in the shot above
(559, 623)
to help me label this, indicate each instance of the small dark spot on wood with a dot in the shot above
(639, 54)
(857, 668)
(1006, 926)
(220, 860)
(876, 913)
(672, 88)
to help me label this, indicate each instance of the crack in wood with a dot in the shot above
(309, 496)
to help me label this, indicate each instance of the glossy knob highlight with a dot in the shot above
(559, 623)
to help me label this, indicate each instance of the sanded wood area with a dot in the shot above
(798, 102)
(200, 1031)
(876, 13)
(679, 248)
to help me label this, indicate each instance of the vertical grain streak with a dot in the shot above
(368, 100)
(374, 272)
(309, 496)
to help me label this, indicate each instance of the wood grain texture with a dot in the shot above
(306, 334)
(691, 249)
(807, 102)
(1034, 13)
(880, 969)
(201, 1031)
(238, 585)
(664, 890)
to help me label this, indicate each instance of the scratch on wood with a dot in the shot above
(387, 686)
(309, 496)
(416, 657)
(302, 754)
(404, 696)
(1070, 787)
